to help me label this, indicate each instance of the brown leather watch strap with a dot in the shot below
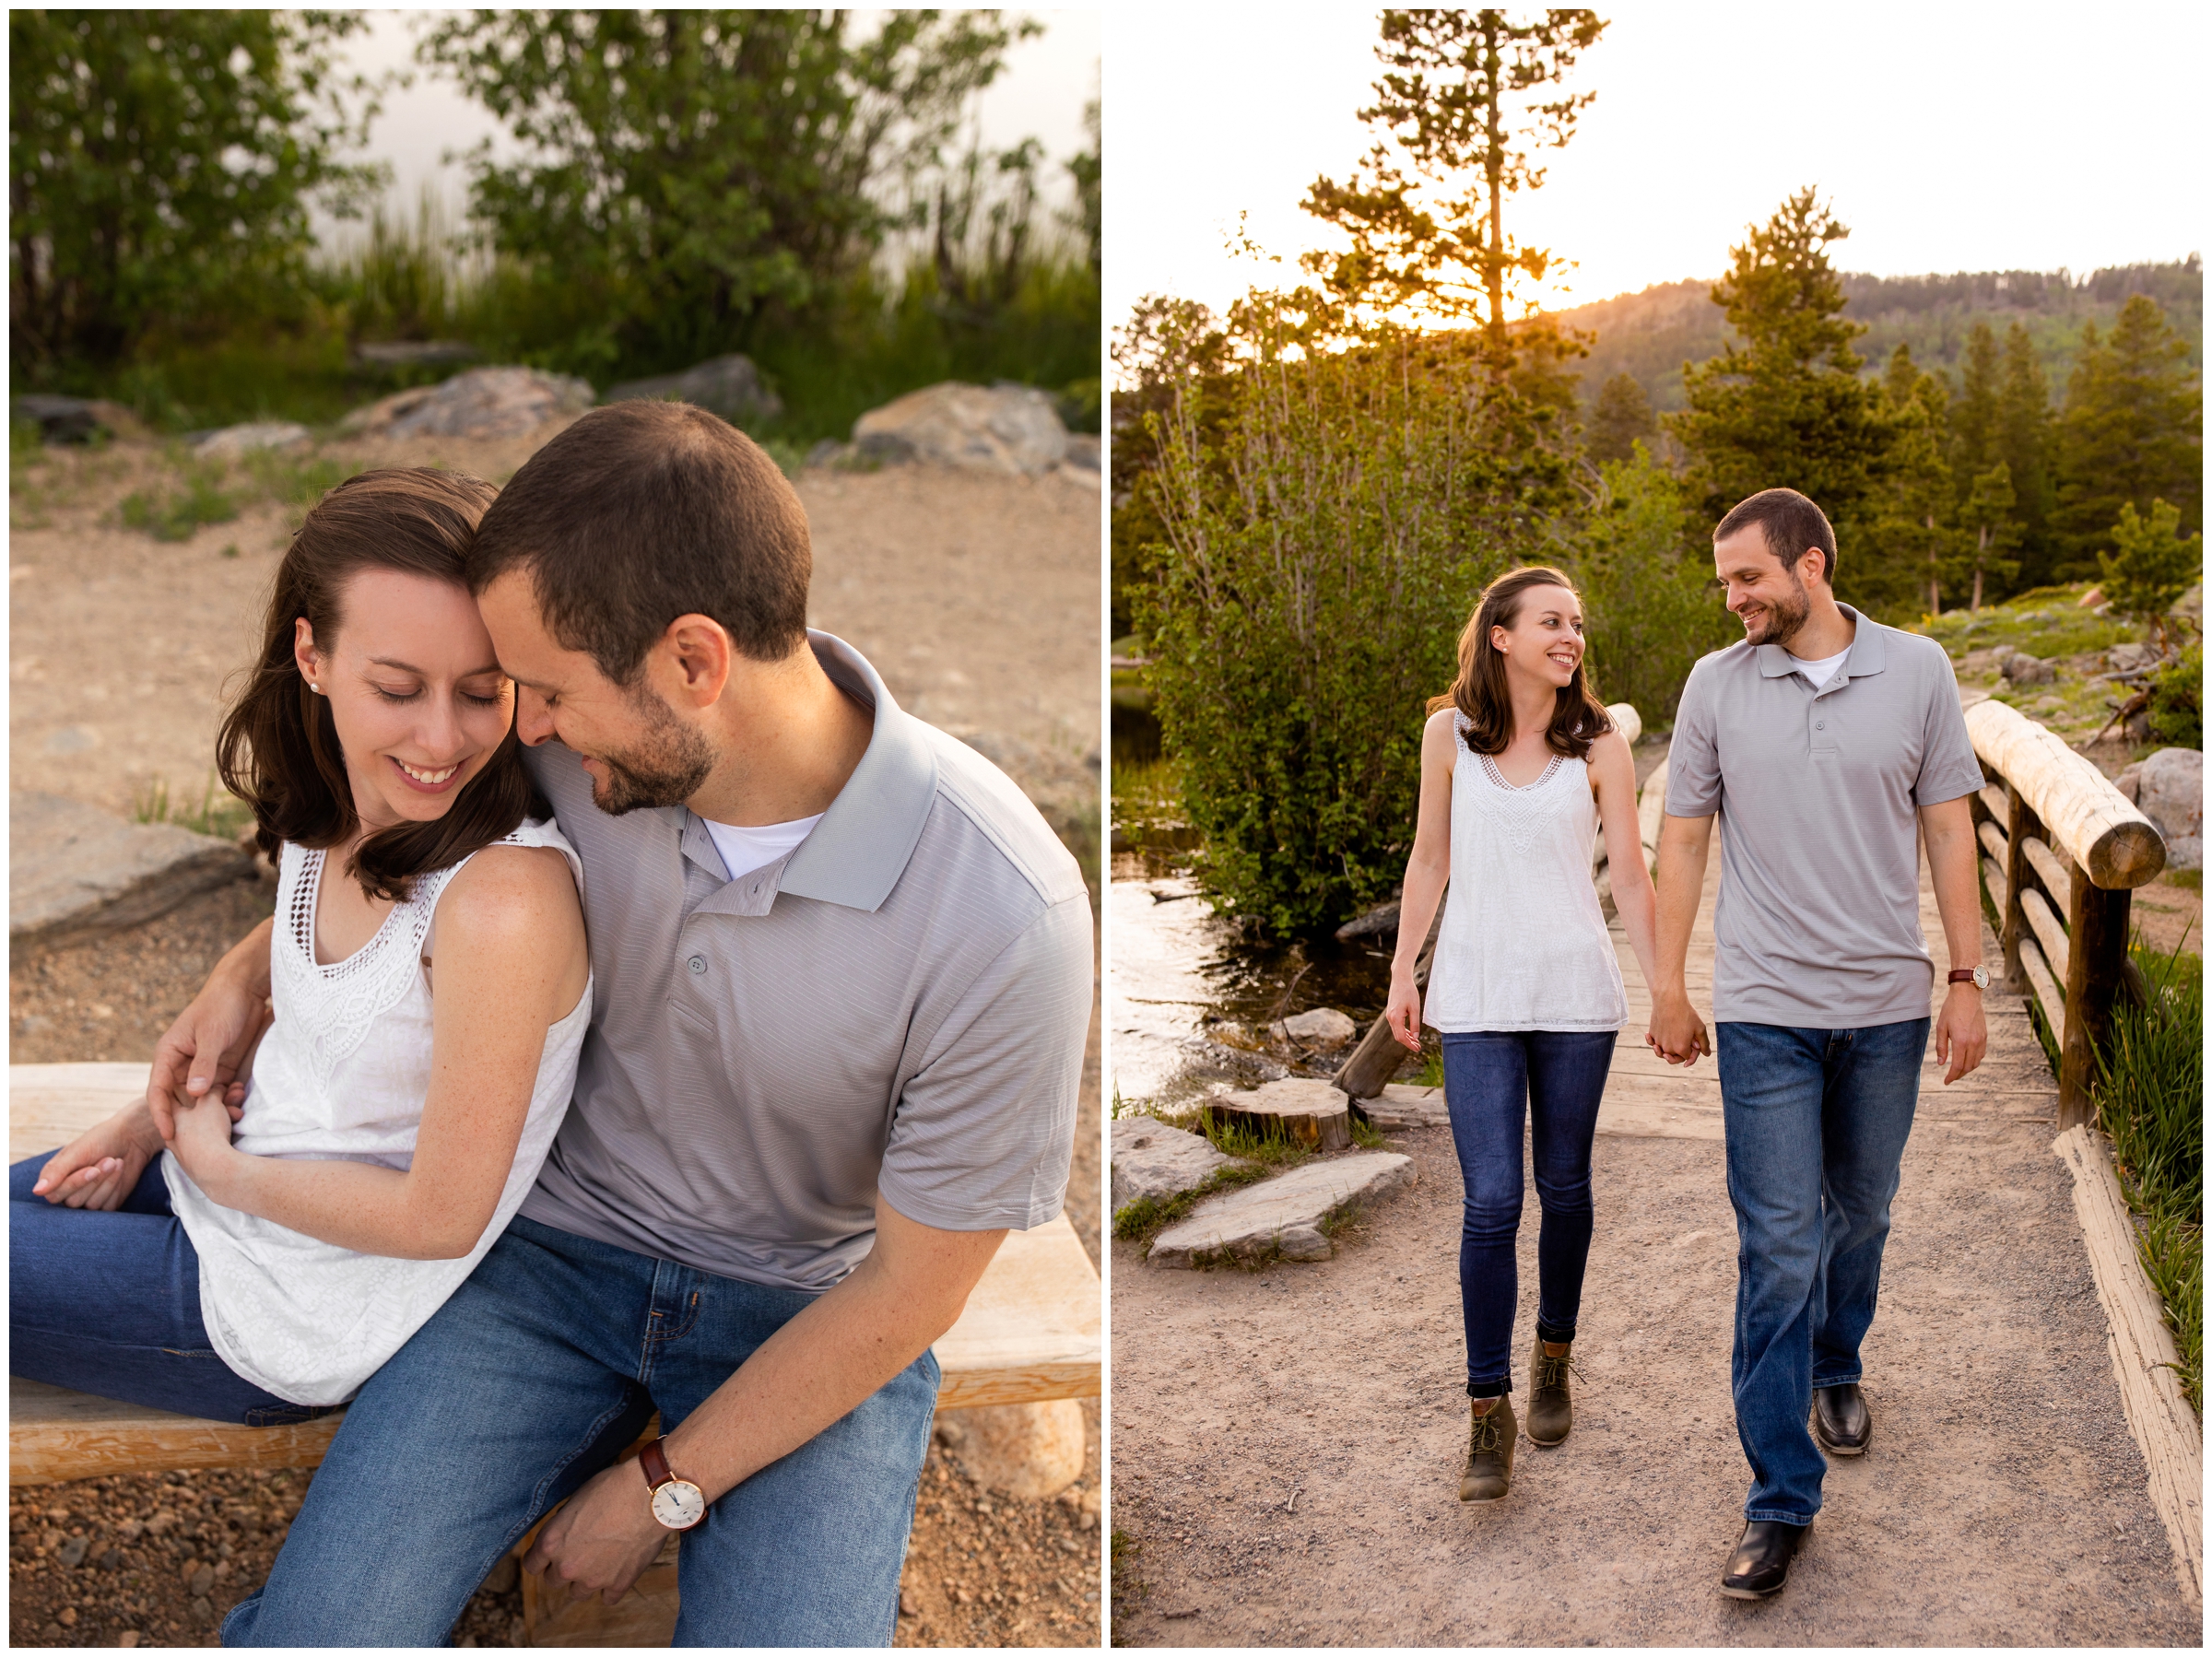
(1961, 975)
(653, 1461)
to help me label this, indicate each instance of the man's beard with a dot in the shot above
(664, 769)
(1785, 617)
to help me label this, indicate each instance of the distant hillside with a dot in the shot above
(1649, 335)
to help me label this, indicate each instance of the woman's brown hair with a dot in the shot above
(1479, 691)
(278, 750)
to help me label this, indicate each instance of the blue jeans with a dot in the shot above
(534, 1377)
(108, 1302)
(1817, 1122)
(1491, 1078)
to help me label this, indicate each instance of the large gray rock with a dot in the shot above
(730, 386)
(231, 442)
(1013, 429)
(77, 871)
(73, 419)
(1404, 1105)
(2170, 791)
(2024, 669)
(482, 403)
(1152, 1160)
(1323, 1028)
(1306, 1112)
(1281, 1217)
(414, 353)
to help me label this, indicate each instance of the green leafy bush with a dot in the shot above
(2177, 712)
(1320, 555)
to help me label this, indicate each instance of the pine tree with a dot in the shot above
(1785, 406)
(1909, 546)
(1457, 103)
(2129, 432)
(1989, 530)
(1974, 413)
(2151, 565)
(2023, 444)
(1623, 416)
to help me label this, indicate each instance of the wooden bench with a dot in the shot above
(1030, 1334)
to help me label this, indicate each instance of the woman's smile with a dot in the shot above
(427, 779)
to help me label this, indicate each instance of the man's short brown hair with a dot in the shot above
(1790, 522)
(643, 511)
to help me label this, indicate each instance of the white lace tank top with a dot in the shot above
(1523, 945)
(344, 1072)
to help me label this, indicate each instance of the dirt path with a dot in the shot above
(1288, 1443)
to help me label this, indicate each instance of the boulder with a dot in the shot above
(231, 442)
(1306, 1112)
(2131, 658)
(1152, 1160)
(2128, 781)
(1011, 429)
(1325, 1027)
(73, 419)
(1083, 452)
(482, 403)
(76, 871)
(729, 386)
(1405, 1105)
(2170, 791)
(414, 353)
(2024, 669)
(1031, 1451)
(1282, 1216)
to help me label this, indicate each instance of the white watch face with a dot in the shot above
(678, 1505)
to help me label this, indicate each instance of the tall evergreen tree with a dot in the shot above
(2131, 432)
(2023, 444)
(1783, 403)
(2151, 564)
(1989, 531)
(1460, 106)
(1623, 416)
(1907, 547)
(1974, 413)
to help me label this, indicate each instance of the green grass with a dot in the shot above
(195, 496)
(2190, 880)
(1141, 1221)
(296, 482)
(1145, 789)
(2150, 1100)
(217, 813)
(1129, 1589)
(1274, 1150)
(1367, 1135)
(2048, 621)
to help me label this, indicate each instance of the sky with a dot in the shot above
(1947, 136)
(1042, 92)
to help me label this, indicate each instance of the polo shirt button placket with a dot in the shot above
(698, 965)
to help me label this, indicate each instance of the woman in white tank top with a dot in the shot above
(1520, 764)
(429, 993)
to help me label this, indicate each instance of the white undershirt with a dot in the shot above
(744, 850)
(1822, 671)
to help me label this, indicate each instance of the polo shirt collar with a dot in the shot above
(1868, 654)
(860, 848)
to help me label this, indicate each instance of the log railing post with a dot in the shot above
(2097, 958)
(2021, 824)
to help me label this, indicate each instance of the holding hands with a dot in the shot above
(1676, 1034)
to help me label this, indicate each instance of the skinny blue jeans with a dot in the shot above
(1817, 1122)
(534, 1377)
(108, 1302)
(1492, 1080)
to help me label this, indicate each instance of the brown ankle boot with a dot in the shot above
(1550, 1405)
(1490, 1474)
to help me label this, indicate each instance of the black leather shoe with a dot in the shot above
(1840, 1420)
(1761, 1562)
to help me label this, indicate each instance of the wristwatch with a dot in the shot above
(1976, 976)
(678, 1503)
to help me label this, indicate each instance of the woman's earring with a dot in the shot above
(315, 687)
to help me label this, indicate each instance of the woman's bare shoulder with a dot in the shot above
(511, 893)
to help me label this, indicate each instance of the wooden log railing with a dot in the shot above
(1378, 1056)
(2059, 839)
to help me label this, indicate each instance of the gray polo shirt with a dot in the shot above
(1817, 924)
(896, 1008)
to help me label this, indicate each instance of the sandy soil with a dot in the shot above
(977, 599)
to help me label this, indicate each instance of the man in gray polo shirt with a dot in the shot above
(1822, 742)
(843, 977)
